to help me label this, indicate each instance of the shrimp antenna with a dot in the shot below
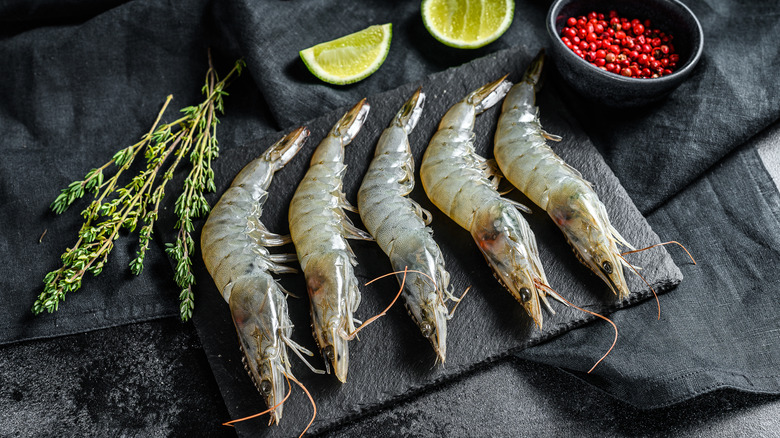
(633, 268)
(432, 281)
(352, 335)
(289, 391)
(662, 244)
(544, 286)
(313, 405)
(402, 272)
(288, 377)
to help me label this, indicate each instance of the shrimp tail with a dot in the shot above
(409, 114)
(349, 125)
(285, 149)
(533, 74)
(488, 95)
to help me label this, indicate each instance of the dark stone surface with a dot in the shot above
(391, 360)
(148, 379)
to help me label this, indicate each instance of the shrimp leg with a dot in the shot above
(319, 229)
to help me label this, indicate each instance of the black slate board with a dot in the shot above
(392, 360)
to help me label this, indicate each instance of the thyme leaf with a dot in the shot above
(114, 207)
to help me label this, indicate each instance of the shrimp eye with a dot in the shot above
(607, 266)
(265, 387)
(329, 352)
(426, 328)
(525, 294)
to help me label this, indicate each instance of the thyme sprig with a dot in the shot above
(115, 207)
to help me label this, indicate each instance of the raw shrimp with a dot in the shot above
(234, 244)
(320, 228)
(398, 224)
(530, 165)
(463, 185)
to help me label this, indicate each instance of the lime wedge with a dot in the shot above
(467, 24)
(350, 58)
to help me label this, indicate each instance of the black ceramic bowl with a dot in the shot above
(611, 89)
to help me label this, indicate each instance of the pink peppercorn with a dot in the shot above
(616, 44)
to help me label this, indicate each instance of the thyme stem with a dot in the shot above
(115, 207)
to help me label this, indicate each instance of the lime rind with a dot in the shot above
(460, 43)
(333, 52)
